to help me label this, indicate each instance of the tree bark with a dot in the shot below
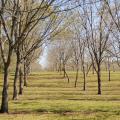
(67, 76)
(113, 68)
(88, 69)
(99, 80)
(109, 75)
(77, 70)
(25, 75)
(84, 77)
(15, 95)
(65, 73)
(4, 104)
(76, 77)
(59, 69)
(93, 70)
(20, 82)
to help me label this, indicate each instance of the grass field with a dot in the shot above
(49, 97)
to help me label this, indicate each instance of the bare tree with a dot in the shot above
(17, 20)
(113, 8)
(78, 45)
(97, 36)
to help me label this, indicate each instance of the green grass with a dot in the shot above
(49, 97)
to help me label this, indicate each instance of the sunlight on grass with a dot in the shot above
(49, 97)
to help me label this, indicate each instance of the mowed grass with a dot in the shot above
(49, 97)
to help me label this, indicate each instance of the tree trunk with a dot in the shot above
(109, 70)
(84, 76)
(25, 75)
(109, 76)
(15, 95)
(67, 76)
(28, 69)
(113, 69)
(59, 69)
(93, 70)
(4, 104)
(76, 77)
(20, 82)
(88, 69)
(106, 67)
(65, 73)
(99, 80)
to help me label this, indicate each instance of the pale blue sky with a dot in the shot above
(43, 59)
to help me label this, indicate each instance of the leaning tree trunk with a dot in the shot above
(15, 95)
(4, 103)
(65, 73)
(99, 80)
(88, 69)
(20, 81)
(67, 76)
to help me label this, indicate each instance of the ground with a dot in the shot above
(49, 97)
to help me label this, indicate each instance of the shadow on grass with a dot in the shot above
(56, 111)
(43, 111)
(47, 77)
